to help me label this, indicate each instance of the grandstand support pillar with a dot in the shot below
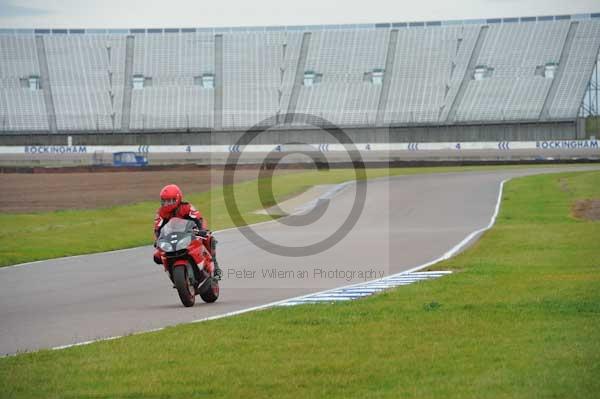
(562, 62)
(299, 78)
(468, 73)
(128, 84)
(589, 110)
(580, 129)
(387, 77)
(46, 84)
(218, 82)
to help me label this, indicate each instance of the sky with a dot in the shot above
(218, 13)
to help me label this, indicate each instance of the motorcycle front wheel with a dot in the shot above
(185, 289)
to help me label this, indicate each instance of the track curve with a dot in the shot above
(406, 221)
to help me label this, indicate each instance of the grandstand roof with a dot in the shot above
(382, 25)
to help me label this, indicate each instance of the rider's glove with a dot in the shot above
(199, 232)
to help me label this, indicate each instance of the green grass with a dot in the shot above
(520, 318)
(30, 237)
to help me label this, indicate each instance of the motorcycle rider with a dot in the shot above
(172, 205)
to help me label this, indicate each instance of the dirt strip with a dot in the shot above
(587, 209)
(38, 192)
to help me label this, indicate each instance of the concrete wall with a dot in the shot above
(422, 134)
(451, 156)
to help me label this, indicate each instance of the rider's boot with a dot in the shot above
(218, 272)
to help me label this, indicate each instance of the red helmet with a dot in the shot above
(170, 198)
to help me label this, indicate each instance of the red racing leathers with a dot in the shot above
(185, 210)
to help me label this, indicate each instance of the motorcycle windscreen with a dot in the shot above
(177, 225)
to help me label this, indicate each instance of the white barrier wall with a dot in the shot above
(505, 146)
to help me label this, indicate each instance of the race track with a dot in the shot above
(406, 221)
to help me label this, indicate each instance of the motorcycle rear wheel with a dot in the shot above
(185, 289)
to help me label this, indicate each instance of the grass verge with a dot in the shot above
(37, 236)
(519, 319)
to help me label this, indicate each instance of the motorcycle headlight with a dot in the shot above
(183, 243)
(165, 246)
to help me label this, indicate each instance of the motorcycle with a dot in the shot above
(185, 255)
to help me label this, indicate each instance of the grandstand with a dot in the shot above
(512, 78)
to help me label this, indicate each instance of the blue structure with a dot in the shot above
(129, 159)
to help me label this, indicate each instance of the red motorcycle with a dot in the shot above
(185, 255)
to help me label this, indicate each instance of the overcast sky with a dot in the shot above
(212, 13)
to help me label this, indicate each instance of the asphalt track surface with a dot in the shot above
(406, 221)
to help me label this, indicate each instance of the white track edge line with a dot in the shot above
(445, 256)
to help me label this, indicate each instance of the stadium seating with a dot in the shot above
(258, 75)
(87, 82)
(577, 71)
(513, 92)
(20, 108)
(428, 69)
(455, 72)
(343, 57)
(172, 100)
